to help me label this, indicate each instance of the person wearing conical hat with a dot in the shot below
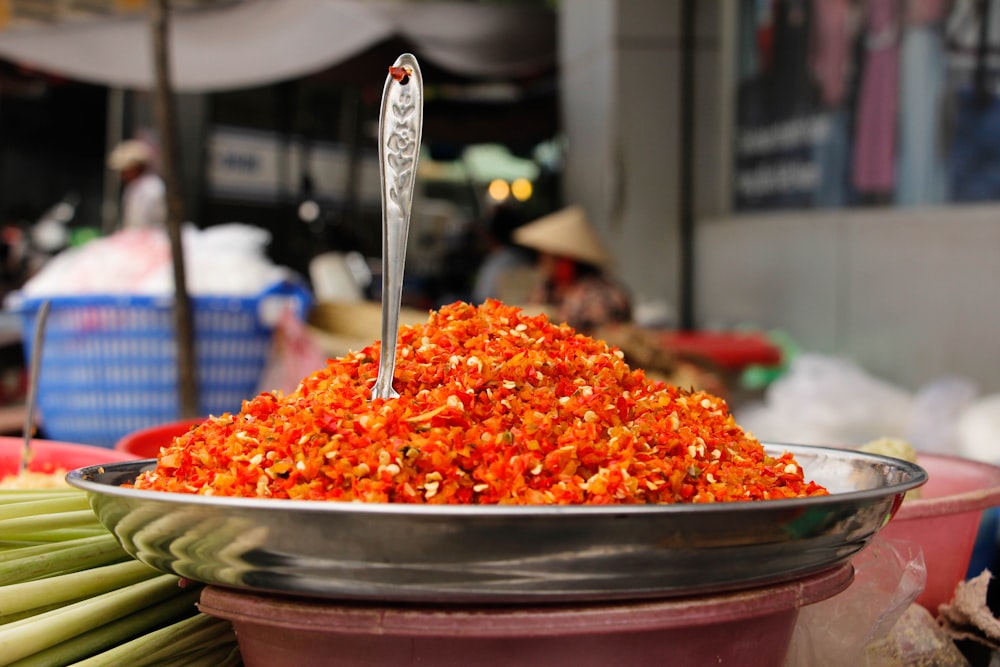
(573, 269)
(144, 202)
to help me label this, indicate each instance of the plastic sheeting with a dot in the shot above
(257, 42)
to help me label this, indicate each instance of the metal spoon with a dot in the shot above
(34, 370)
(400, 124)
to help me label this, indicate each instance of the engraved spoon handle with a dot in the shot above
(401, 123)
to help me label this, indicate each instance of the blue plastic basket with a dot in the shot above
(109, 363)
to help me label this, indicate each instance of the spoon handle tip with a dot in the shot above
(401, 121)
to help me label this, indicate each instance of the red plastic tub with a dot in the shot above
(945, 519)
(146, 443)
(49, 456)
(750, 628)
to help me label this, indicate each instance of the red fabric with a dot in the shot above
(731, 351)
(563, 272)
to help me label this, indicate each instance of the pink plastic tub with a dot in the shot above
(945, 519)
(750, 628)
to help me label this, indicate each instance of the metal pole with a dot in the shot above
(111, 202)
(166, 127)
(686, 194)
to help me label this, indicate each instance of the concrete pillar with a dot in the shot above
(620, 81)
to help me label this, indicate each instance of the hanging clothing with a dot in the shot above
(832, 49)
(964, 33)
(834, 33)
(974, 70)
(875, 133)
(921, 164)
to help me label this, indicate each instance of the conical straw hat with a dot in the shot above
(566, 233)
(128, 153)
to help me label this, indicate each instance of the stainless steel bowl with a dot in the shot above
(502, 554)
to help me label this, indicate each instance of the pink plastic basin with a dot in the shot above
(49, 455)
(945, 519)
(748, 628)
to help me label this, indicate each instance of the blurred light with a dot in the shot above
(63, 212)
(498, 189)
(486, 162)
(521, 188)
(550, 155)
(50, 235)
(308, 211)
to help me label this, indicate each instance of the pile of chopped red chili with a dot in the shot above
(495, 406)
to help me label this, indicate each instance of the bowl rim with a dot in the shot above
(973, 500)
(84, 478)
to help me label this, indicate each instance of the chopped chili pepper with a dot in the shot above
(401, 74)
(495, 407)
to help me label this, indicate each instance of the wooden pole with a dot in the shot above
(166, 126)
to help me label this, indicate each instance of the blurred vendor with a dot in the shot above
(144, 201)
(572, 262)
(505, 261)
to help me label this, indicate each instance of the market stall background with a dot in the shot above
(745, 274)
(275, 103)
(804, 273)
(275, 100)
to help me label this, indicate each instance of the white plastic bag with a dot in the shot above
(888, 577)
(294, 355)
(825, 400)
(978, 430)
(228, 260)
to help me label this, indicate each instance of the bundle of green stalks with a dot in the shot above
(70, 595)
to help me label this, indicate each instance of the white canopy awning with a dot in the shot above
(257, 42)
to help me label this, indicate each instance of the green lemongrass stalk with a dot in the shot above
(192, 636)
(60, 562)
(59, 504)
(105, 637)
(27, 534)
(25, 525)
(7, 546)
(220, 656)
(11, 553)
(11, 618)
(31, 635)
(28, 495)
(186, 635)
(19, 597)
